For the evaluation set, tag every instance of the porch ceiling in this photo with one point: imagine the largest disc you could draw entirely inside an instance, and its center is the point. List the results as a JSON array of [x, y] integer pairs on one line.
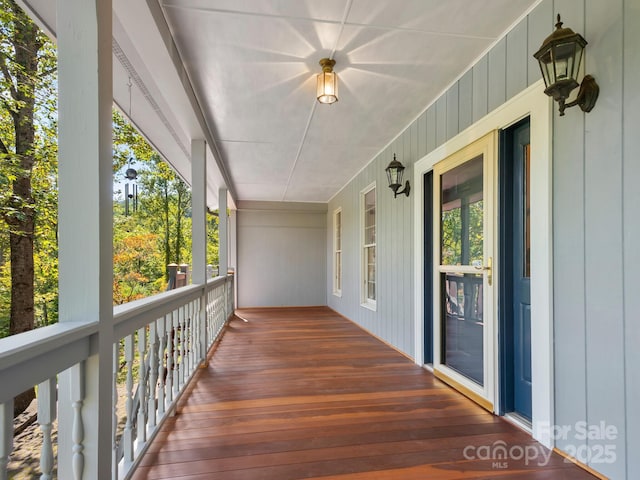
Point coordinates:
[[252, 65]]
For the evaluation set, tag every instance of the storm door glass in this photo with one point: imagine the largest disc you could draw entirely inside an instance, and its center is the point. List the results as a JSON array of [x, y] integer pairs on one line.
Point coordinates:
[[461, 276]]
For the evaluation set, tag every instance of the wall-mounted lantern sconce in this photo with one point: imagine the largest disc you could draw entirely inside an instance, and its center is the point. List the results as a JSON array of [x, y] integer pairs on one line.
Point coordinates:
[[394, 175], [327, 87], [559, 58]]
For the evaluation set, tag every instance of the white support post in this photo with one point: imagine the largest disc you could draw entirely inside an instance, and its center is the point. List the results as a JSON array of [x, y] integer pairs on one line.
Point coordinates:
[[199, 234], [233, 251], [85, 99], [233, 239], [223, 239], [223, 233]]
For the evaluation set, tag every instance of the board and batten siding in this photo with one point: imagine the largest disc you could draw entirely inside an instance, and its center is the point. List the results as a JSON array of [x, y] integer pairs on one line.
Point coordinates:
[[499, 75], [281, 254], [596, 224]]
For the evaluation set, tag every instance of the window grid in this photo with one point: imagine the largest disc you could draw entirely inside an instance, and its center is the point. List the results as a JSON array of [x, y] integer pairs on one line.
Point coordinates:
[[337, 252], [368, 200]]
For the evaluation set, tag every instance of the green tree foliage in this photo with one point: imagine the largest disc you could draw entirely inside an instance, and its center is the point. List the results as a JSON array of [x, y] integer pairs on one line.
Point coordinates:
[[454, 230], [157, 234], [28, 171], [164, 210], [137, 261], [27, 176]]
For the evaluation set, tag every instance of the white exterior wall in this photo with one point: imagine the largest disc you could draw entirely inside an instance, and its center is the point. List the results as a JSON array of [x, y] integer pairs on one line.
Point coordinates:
[[281, 254], [596, 227]]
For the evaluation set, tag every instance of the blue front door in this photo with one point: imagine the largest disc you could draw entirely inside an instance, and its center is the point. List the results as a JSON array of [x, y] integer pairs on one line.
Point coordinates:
[[515, 271], [521, 272]]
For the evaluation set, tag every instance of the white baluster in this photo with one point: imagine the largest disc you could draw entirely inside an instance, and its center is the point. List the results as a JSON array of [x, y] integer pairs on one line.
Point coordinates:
[[170, 349], [77, 431], [128, 427], [153, 374], [176, 354], [182, 348], [142, 388], [195, 334], [46, 416], [114, 419], [6, 436], [163, 378], [222, 311], [209, 316], [195, 328], [188, 334]]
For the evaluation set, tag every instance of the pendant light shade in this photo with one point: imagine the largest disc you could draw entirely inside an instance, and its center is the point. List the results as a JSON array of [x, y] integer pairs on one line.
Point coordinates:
[[327, 88]]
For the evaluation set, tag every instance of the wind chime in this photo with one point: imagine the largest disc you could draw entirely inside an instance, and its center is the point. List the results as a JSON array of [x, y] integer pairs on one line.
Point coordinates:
[[130, 194], [130, 191]]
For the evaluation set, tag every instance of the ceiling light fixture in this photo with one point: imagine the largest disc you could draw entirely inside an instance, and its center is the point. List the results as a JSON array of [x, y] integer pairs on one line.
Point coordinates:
[[559, 58], [327, 91]]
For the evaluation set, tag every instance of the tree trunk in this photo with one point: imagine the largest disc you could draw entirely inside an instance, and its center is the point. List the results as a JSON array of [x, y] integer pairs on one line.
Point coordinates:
[[20, 217]]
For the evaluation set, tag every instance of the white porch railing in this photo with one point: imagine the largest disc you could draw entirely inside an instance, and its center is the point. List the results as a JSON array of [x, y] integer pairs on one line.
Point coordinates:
[[159, 342]]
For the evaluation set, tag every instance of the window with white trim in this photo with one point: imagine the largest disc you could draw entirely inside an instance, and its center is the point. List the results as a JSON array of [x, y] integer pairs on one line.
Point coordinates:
[[368, 210], [337, 252]]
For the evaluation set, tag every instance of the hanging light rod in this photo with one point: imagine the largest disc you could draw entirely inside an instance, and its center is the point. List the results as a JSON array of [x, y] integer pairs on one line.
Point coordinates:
[[327, 87]]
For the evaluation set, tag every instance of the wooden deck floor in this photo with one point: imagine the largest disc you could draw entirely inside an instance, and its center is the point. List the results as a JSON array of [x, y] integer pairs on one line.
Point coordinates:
[[304, 393]]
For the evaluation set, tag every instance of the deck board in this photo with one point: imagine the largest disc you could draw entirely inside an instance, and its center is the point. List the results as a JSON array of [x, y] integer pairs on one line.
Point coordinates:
[[304, 393]]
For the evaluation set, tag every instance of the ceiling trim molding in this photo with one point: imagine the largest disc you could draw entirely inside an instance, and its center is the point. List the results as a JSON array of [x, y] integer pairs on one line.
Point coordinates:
[[172, 49], [342, 22], [137, 80]]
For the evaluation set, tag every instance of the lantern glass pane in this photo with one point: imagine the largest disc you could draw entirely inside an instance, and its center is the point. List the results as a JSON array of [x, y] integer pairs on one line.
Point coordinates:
[[327, 87], [329, 84], [564, 56], [577, 60], [546, 67], [390, 176], [320, 86]]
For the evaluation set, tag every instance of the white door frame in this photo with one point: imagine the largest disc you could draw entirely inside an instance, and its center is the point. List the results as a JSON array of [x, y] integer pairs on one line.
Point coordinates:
[[534, 103]]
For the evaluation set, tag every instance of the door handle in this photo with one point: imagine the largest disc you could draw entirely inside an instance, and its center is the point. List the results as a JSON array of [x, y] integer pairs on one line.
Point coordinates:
[[488, 268]]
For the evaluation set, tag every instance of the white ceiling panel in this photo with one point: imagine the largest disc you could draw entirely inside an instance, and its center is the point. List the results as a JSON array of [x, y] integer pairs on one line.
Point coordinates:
[[253, 162], [253, 65], [458, 18], [326, 10]]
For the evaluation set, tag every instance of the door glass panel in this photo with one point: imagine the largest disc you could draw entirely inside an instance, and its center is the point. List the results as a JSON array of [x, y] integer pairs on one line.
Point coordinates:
[[462, 214], [462, 245], [463, 324]]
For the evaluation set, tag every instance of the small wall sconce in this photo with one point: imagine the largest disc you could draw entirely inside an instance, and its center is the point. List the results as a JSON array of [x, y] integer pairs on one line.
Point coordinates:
[[394, 175], [559, 58], [327, 86]]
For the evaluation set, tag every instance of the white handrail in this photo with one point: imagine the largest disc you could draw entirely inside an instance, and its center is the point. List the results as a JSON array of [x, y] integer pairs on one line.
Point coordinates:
[[32, 357], [166, 335]]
